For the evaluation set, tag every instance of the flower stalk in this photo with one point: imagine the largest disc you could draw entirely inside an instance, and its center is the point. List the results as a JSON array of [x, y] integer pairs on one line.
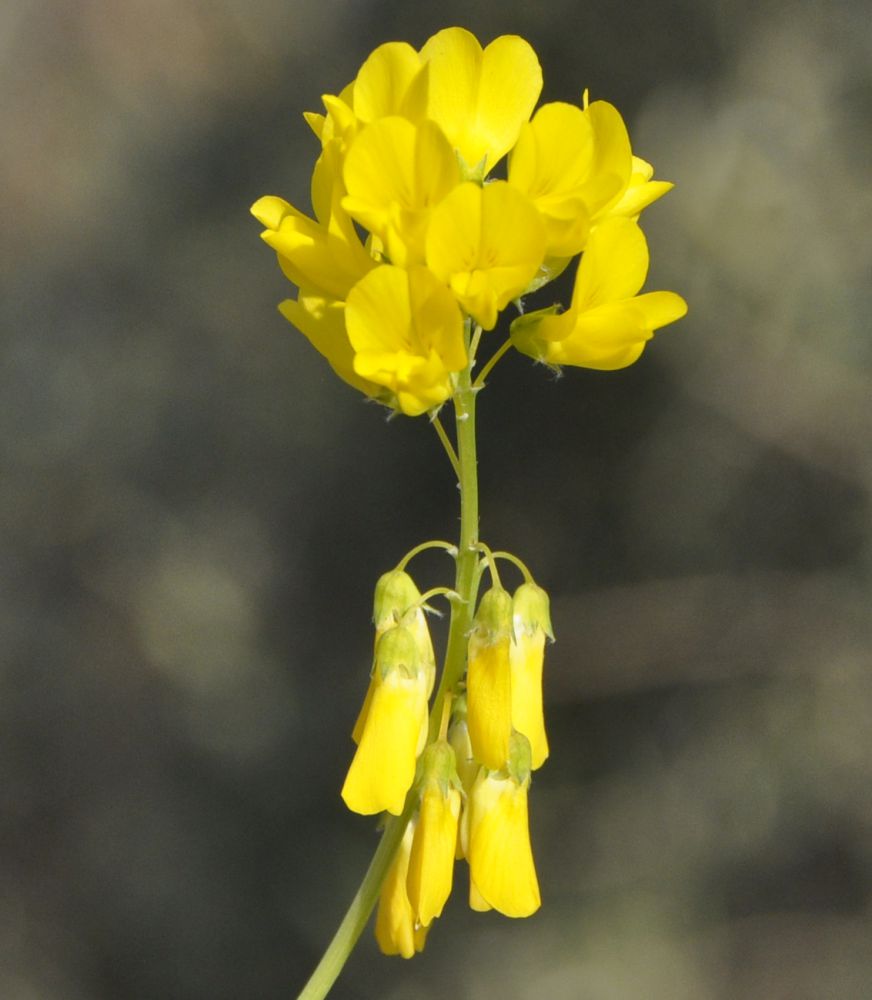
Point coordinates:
[[414, 252]]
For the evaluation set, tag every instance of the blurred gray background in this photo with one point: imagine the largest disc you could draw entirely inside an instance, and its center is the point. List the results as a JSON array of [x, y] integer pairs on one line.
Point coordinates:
[[194, 512]]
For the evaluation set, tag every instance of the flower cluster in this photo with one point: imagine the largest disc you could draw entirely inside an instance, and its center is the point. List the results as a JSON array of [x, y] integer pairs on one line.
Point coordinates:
[[408, 151], [469, 782]]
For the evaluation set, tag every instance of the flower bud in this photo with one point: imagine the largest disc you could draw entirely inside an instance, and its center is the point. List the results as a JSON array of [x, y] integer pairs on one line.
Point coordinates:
[[501, 869]]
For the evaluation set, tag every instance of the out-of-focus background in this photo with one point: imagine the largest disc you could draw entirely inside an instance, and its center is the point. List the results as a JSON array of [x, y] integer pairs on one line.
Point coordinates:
[[194, 512]]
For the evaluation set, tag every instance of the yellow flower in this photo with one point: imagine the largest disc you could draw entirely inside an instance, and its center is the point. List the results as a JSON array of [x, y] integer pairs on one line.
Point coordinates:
[[489, 680], [407, 334], [571, 162], [431, 865], [532, 623], [480, 98], [608, 324], [501, 868], [324, 256], [395, 172], [383, 767], [396, 929], [486, 244], [397, 601]]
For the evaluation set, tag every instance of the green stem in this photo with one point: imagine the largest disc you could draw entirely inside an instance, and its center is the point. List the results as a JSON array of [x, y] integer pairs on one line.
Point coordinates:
[[357, 916], [466, 576], [462, 606]]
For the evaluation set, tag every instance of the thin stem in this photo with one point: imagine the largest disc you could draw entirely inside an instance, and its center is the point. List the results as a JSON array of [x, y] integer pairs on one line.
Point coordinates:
[[357, 916], [490, 558], [489, 364], [437, 543], [446, 444], [466, 577], [522, 566]]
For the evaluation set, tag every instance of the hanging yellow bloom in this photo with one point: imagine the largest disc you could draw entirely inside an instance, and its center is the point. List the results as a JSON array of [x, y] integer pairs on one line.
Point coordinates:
[[397, 601], [396, 929], [383, 767], [532, 623], [431, 864], [608, 324], [489, 680], [501, 868]]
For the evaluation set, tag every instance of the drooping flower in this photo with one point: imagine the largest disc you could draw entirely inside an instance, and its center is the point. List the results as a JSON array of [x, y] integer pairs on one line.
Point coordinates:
[[501, 867], [532, 623], [394, 730], [431, 864], [397, 601], [607, 324], [489, 680], [396, 929]]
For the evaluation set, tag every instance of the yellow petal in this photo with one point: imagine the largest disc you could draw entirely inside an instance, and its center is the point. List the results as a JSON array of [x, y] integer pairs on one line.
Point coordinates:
[[526, 655], [407, 333], [395, 929], [480, 98], [322, 321], [500, 857], [395, 172], [384, 79], [325, 258], [489, 700], [613, 266], [383, 767], [431, 866], [487, 244]]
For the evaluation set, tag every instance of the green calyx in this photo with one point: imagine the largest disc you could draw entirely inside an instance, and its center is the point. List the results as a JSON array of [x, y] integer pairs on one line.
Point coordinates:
[[532, 609]]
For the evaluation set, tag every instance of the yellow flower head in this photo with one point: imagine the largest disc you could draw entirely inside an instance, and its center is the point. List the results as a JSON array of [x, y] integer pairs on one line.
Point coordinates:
[[412, 242], [501, 868], [608, 323], [532, 623], [431, 865], [489, 680], [394, 730]]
